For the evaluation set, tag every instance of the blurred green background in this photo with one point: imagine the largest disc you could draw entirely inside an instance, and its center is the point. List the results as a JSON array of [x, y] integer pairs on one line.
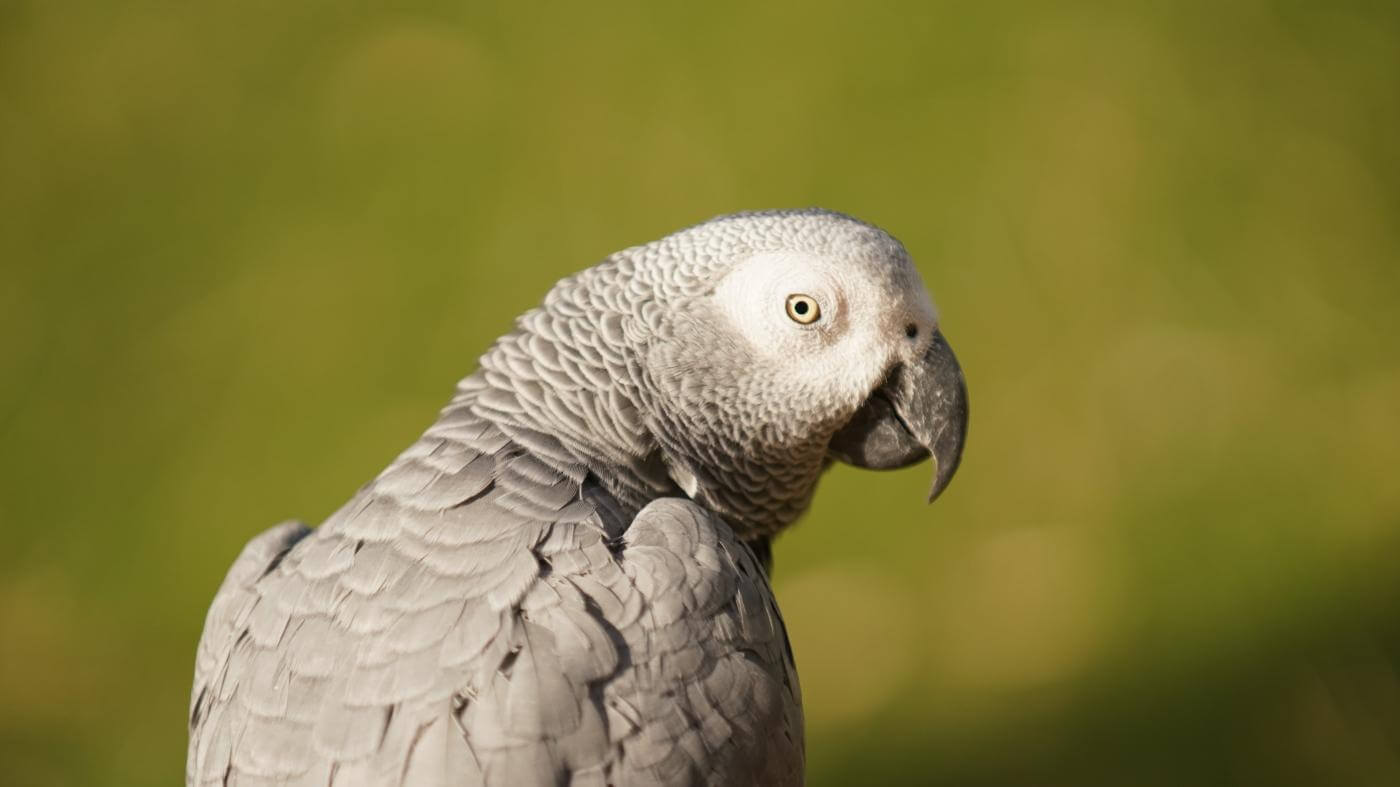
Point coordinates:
[[248, 248]]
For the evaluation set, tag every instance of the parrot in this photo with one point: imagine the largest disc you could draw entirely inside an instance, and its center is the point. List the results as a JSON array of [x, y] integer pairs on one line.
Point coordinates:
[[565, 579]]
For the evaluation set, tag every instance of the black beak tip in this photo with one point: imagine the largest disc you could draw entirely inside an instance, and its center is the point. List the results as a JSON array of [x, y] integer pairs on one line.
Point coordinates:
[[938, 486], [941, 478], [946, 449]]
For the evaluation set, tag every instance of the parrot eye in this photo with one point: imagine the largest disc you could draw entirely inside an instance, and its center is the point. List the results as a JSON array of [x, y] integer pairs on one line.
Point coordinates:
[[803, 309]]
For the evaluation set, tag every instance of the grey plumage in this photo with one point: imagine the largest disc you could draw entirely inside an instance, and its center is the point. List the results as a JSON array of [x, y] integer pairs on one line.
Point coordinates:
[[552, 585]]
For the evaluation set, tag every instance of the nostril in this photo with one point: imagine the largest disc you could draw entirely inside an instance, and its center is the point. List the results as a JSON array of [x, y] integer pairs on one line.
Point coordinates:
[[911, 330]]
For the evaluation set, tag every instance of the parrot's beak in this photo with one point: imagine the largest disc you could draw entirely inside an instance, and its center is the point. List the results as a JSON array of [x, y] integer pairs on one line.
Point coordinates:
[[919, 411]]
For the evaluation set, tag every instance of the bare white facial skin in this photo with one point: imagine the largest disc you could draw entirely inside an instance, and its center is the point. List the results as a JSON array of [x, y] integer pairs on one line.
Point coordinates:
[[864, 318]]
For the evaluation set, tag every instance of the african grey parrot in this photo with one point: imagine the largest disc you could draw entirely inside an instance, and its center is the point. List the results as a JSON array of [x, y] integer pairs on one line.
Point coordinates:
[[563, 581]]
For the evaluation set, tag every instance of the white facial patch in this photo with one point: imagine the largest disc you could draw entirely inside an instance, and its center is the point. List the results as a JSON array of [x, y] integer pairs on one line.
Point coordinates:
[[754, 296], [861, 329]]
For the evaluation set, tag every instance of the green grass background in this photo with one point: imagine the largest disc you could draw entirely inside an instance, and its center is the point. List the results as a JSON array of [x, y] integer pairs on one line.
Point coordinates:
[[246, 250]]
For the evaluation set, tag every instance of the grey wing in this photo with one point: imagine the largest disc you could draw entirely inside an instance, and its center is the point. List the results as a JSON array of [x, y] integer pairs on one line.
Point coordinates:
[[710, 693], [356, 656], [227, 617], [655, 658]]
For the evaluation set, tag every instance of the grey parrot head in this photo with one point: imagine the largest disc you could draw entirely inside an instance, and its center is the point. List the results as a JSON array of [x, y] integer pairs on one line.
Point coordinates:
[[770, 344]]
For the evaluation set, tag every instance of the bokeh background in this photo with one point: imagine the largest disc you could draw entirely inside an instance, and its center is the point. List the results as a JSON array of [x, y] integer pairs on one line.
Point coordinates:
[[246, 250]]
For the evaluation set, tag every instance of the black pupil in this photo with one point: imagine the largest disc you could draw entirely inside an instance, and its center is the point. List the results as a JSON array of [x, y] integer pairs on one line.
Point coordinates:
[[911, 330], [800, 307]]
